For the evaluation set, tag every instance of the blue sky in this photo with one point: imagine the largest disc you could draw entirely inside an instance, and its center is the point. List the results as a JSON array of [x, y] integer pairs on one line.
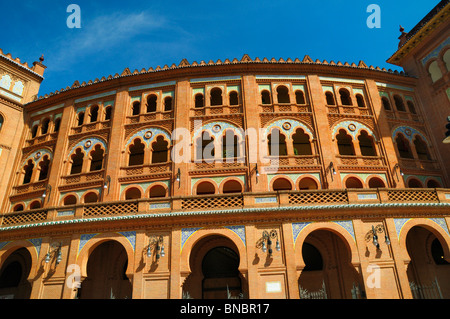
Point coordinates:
[[142, 33]]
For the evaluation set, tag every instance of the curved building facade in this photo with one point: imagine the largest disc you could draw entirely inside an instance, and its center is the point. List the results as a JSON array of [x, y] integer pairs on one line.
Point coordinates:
[[251, 178]]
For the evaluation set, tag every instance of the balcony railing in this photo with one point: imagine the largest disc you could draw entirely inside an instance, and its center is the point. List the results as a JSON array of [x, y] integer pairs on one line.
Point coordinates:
[[145, 170], [347, 160], [214, 110], [89, 127], [84, 177], [240, 201]]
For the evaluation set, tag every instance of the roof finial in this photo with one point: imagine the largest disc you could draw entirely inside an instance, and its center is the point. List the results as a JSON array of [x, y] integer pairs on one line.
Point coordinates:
[[402, 29], [41, 58]]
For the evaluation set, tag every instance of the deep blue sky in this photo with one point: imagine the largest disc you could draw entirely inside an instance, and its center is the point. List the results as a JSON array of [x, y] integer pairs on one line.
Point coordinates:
[[146, 33]]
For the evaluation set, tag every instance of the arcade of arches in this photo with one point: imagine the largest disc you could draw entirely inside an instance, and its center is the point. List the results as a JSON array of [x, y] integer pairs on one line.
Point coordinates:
[[314, 260]]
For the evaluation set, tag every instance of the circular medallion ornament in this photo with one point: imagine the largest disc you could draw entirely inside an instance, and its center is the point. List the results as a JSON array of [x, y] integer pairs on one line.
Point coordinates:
[[352, 127], [87, 144], [38, 155], [216, 128], [148, 134], [408, 132], [287, 126]]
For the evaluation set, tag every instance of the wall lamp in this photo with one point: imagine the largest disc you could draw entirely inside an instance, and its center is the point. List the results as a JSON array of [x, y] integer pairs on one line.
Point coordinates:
[[54, 249], [107, 183], [178, 176], [332, 170], [256, 172], [156, 244], [265, 243], [47, 192], [372, 235], [397, 167]]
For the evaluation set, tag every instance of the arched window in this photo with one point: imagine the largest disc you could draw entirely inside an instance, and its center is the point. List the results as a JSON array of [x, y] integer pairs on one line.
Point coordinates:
[[277, 143], [97, 158], [232, 187], [330, 98], [157, 191], [230, 145], [205, 188], [265, 97], [411, 107], [94, 114], [70, 200], [136, 153], [108, 113], [77, 162], [312, 258], [216, 97], [345, 97], [28, 172], [199, 100], [160, 150], [35, 205], [300, 97], [399, 103], [91, 198], [136, 108], [1, 122], [44, 168], [437, 252], [132, 193], [360, 100], [386, 104], [414, 183], [433, 184], [421, 148], [152, 101], [80, 120], [446, 59], [353, 182], [168, 104], [403, 147], [281, 184], [307, 183], [18, 208], [434, 71], [44, 127], [234, 98], [366, 144], [375, 182], [302, 145], [283, 94], [345, 143], [205, 147], [34, 130], [57, 125]]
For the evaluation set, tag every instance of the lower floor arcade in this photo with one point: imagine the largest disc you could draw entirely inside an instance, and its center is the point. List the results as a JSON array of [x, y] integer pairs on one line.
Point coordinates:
[[395, 258]]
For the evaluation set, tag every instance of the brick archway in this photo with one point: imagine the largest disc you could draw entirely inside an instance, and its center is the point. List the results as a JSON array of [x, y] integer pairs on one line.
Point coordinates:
[[196, 248]]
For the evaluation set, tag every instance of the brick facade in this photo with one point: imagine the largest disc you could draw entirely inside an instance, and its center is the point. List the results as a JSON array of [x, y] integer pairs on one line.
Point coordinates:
[[89, 193]]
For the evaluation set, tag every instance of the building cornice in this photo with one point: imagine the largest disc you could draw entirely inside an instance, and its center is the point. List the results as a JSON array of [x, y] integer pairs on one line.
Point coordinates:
[[244, 66], [427, 26], [335, 209]]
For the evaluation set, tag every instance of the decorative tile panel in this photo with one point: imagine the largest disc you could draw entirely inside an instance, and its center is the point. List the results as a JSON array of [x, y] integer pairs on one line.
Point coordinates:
[[288, 127], [238, 230], [130, 236], [353, 128], [148, 135]]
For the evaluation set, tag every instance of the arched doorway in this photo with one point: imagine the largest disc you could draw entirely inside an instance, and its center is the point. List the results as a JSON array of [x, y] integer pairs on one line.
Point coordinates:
[[106, 278], [429, 271], [214, 262], [14, 274], [328, 272]]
